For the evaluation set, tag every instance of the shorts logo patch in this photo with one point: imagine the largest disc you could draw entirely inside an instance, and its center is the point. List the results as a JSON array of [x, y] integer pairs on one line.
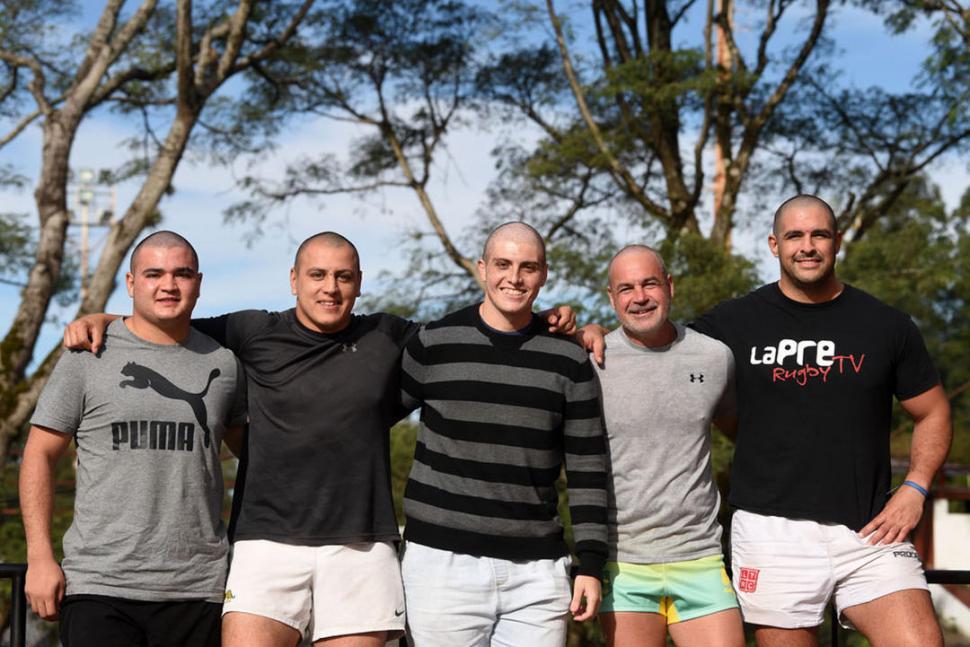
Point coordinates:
[[748, 580], [905, 553]]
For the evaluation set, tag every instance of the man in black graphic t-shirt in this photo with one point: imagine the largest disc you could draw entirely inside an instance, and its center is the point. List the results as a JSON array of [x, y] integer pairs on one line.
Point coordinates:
[[818, 363]]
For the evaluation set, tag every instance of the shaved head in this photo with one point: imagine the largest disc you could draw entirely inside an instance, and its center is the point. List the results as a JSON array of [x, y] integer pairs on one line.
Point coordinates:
[[518, 232], [164, 239], [330, 238], [635, 249], [804, 201]]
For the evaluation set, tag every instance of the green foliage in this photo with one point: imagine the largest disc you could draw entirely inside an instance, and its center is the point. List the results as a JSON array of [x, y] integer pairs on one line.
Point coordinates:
[[403, 438], [704, 274], [917, 258]]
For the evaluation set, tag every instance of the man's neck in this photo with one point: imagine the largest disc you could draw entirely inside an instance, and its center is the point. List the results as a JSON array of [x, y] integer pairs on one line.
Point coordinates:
[[813, 293], [503, 322], [663, 336], [176, 333]]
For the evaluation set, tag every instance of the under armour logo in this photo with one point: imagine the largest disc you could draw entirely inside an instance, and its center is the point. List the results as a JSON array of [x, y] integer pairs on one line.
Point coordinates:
[[350, 347], [697, 378]]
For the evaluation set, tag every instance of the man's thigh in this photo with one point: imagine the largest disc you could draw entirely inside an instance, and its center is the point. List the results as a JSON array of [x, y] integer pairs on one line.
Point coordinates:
[[719, 629], [634, 629], [782, 573], [109, 622], [902, 618], [866, 573], [452, 599]]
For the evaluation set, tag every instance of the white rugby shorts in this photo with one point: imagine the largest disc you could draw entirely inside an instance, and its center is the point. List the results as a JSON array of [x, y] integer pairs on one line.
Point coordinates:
[[786, 570], [321, 591]]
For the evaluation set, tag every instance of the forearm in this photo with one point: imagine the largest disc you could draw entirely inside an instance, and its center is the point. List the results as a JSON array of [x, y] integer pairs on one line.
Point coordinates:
[[930, 445], [37, 504]]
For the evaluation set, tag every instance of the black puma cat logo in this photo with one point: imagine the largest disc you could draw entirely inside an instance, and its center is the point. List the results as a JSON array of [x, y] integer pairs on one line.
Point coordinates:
[[143, 377]]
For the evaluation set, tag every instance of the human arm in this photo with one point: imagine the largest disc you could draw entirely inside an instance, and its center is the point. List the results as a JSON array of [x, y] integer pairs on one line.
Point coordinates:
[[587, 595], [592, 337], [932, 433], [87, 333], [586, 470], [45, 579], [561, 320]]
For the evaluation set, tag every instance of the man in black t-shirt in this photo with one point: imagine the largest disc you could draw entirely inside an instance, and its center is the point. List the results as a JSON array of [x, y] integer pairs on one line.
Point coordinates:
[[818, 363]]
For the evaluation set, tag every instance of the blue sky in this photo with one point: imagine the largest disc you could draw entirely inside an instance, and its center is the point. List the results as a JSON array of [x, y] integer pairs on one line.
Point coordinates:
[[238, 277]]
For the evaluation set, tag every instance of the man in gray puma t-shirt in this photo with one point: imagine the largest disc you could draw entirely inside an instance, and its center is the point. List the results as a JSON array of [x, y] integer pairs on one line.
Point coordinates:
[[662, 386], [146, 555]]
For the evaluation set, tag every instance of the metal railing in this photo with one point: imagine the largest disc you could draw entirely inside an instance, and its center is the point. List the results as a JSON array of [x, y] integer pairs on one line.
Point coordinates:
[[17, 573]]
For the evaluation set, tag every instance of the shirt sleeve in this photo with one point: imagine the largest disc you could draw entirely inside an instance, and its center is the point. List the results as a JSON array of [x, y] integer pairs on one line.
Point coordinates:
[[727, 407], [914, 370], [61, 403], [233, 330], [412, 373], [238, 416], [711, 324], [215, 327], [584, 445]]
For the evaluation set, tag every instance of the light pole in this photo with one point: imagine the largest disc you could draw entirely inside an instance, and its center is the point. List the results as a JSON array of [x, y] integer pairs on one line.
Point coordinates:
[[86, 194]]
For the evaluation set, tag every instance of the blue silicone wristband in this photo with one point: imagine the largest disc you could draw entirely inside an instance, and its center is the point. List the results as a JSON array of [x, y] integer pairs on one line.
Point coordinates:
[[916, 486]]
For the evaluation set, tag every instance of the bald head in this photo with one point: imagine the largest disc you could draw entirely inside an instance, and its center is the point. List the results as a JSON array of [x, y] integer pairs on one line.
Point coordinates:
[[331, 239], [631, 251], [517, 232], [162, 239], [804, 201]]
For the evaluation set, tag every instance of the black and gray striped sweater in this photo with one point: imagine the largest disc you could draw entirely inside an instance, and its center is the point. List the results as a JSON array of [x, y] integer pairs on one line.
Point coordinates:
[[500, 416]]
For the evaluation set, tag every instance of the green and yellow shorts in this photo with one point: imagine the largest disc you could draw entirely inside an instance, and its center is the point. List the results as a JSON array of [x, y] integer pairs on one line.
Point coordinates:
[[676, 590]]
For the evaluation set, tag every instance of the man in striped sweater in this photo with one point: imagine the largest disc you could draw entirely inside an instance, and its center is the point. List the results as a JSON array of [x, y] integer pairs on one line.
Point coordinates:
[[504, 405]]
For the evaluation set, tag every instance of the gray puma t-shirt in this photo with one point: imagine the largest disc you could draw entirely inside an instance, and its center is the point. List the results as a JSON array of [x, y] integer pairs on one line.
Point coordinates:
[[148, 420]]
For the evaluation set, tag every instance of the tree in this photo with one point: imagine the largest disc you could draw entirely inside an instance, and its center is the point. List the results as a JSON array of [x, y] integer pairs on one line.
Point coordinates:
[[401, 71], [648, 111], [162, 62]]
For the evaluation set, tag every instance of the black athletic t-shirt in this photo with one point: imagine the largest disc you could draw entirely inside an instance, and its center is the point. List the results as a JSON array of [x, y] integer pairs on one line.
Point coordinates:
[[316, 466], [815, 384]]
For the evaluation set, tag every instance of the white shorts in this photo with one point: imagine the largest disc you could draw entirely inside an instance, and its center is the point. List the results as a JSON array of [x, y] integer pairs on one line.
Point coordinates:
[[457, 599], [321, 591], [786, 570]]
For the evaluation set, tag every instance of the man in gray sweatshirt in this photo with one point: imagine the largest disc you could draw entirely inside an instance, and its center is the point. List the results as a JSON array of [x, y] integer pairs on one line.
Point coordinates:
[[663, 385]]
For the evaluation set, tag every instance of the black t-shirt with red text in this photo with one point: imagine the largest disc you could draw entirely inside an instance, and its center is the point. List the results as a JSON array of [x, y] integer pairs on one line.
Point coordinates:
[[815, 384]]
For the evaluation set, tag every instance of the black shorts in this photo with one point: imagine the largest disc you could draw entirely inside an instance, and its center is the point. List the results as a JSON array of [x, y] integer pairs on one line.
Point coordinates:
[[102, 621]]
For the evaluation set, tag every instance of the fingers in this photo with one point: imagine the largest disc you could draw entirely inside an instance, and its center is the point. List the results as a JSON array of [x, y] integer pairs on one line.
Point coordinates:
[[44, 588], [586, 598], [46, 604], [97, 338], [897, 519], [599, 348]]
